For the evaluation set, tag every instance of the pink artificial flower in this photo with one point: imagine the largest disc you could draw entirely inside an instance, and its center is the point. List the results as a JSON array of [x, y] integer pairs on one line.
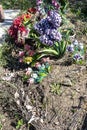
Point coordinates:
[[21, 53], [56, 4], [31, 81], [31, 53], [27, 47], [37, 65], [45, 59], [20, 60], [28, 71], [38, 2]]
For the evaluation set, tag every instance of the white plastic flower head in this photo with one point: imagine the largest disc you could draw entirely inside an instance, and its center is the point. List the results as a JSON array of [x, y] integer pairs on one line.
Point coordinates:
[[31, 81], [81, 46], [34, 75], [75, 43], [43, 66], [28, 71]]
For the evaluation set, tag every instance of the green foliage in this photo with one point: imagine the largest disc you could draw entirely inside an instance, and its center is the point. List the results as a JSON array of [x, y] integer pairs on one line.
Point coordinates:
[[19, 124], [56, 88], [5, 50], [0, 126], [64, 5], [79, 9], [18, 4], [7, 55], [58, 50]]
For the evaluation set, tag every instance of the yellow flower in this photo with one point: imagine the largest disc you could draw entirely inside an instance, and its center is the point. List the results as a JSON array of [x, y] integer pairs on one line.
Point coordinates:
[[28, 59]]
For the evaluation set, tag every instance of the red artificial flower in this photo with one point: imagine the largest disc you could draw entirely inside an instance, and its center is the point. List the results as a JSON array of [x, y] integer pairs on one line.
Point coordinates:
[[17, 21], [31, 53], [25, 16], [27, 47], [32, 10], [22, 29]]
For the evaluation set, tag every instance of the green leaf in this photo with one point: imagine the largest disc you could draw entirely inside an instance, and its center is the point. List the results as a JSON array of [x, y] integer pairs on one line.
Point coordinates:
[[42, 74]]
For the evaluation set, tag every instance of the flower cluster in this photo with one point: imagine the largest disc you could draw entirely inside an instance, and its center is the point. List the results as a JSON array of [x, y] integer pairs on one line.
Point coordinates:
[[42, 8], [76, 50], [47, 28], [41, 69], [56, 4], [55, 18], [26, 55], [18, 30]]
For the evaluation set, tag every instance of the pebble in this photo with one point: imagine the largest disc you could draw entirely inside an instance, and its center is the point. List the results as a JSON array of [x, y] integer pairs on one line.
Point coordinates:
[[66, 82]]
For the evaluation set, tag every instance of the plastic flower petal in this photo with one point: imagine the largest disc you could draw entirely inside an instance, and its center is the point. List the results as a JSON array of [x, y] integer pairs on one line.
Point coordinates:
[[31, 80], [34, 75], [28, 60], [21, 53], [38, 65]]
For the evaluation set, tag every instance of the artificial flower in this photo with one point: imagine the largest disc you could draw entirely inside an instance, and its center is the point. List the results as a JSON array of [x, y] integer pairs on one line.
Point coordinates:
[[32, 10], [28, 60], [21, 53], [28, 71], [34, 75], [30, 80], [38, 65]]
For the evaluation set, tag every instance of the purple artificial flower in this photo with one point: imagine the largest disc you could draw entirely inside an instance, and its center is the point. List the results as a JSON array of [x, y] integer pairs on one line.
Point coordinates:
[[45, 39], [55, 18], [70, 48], [39, 2], [55, 4], [42, 26], [77, 57], [54, 34]]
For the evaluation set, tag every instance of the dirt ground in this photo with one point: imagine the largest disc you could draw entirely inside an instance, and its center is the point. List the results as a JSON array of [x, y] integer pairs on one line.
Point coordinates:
[[60, 101]]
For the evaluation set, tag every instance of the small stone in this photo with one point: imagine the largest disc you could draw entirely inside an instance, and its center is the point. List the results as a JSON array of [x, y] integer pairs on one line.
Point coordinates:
[[29, 107], [66, 82], [16, 95], [18, 102]]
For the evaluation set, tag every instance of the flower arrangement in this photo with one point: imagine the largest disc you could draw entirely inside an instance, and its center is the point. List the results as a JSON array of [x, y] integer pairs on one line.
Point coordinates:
[[38, 72], [19, 29], [76, 51], [42, 27]]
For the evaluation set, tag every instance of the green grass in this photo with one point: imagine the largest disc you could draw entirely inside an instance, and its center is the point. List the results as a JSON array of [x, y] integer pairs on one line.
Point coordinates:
[[17, 4]]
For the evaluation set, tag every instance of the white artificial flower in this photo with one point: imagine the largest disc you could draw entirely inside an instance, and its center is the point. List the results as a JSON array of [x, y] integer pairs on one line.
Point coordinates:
[[34, 75], [81, 46], [75, 43], [31, 81]]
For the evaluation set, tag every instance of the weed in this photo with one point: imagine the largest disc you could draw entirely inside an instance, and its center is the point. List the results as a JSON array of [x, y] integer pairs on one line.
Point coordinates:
[[56, 88]]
